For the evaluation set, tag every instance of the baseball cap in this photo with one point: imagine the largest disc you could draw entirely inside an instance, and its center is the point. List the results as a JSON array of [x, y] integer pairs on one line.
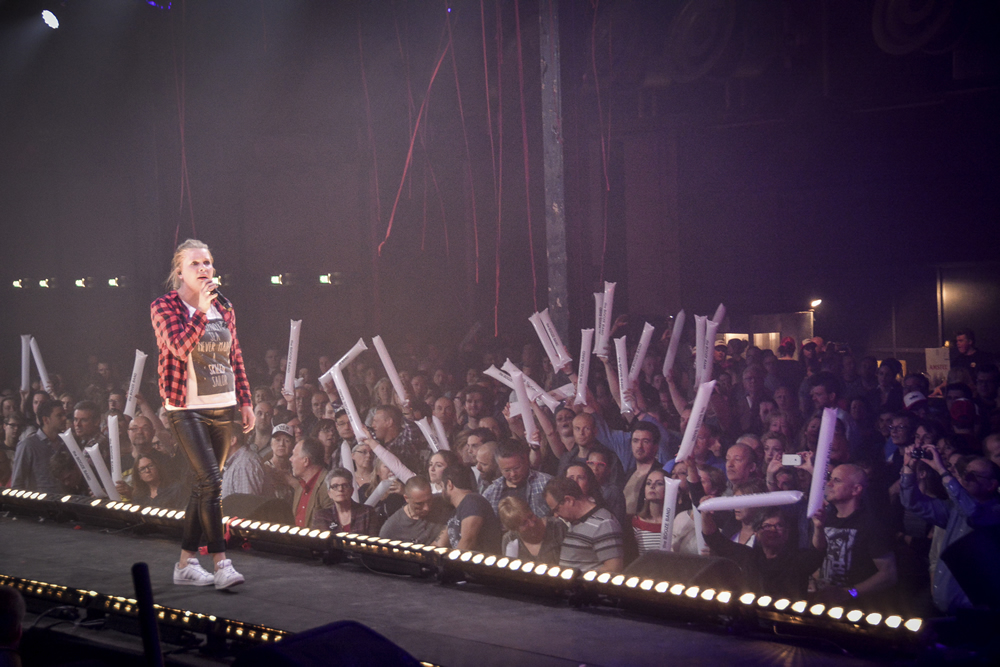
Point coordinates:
[[283, 428]]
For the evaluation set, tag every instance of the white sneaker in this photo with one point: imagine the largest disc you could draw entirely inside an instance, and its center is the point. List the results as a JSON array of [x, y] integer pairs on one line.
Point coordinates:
[[192, 575], [226, 575]]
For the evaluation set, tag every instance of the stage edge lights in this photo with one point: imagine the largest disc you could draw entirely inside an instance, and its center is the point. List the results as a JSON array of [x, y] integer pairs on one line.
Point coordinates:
[[613, 588]]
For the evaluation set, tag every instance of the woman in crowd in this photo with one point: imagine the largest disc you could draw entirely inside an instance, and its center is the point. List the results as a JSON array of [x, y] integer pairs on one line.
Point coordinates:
[[437, 464], [647, 522], [153, 486], [202, 381], [529, 537], [584, 477], [325, 430], [345, 514], [364, 470], [747, 518]]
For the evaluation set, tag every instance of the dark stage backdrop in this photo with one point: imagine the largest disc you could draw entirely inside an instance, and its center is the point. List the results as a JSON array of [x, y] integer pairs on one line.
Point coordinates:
[[761, 154]]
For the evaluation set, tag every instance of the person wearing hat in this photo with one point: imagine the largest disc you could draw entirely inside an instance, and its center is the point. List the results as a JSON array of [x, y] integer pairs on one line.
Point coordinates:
[[916, 402], [279, 466]]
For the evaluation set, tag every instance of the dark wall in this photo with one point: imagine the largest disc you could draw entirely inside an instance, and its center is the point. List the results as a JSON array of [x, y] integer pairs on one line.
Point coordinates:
[[791, 158]]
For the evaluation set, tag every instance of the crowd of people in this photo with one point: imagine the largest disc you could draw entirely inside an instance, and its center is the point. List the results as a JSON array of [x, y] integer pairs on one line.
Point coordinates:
[[913, 468]]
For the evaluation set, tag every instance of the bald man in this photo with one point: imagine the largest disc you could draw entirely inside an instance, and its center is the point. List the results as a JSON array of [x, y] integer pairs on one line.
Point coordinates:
[[859, 559]]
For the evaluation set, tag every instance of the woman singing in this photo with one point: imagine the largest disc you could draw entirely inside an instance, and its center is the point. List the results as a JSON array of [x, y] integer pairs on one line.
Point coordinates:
[[202, 380]]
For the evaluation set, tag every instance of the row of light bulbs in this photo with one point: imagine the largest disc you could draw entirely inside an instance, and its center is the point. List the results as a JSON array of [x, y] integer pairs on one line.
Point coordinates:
[[333, 278]]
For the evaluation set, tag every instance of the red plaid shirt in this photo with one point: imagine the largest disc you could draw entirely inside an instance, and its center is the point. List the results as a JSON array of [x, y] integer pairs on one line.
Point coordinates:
[[176, 335]]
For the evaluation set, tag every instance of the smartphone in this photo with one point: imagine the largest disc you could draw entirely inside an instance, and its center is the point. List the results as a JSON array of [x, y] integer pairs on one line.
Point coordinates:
[[791, 460]]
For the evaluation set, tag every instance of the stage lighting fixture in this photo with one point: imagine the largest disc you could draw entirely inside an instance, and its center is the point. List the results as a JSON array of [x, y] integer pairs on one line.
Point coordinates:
[[19, 284], [276, 280], [84, 282], [114, 282], [815, 303], [50, 19], [46, 283]]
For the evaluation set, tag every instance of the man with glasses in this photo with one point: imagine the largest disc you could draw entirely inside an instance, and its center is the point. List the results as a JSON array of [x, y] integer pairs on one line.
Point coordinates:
[[973, 495], [774, 565], [594, 538]]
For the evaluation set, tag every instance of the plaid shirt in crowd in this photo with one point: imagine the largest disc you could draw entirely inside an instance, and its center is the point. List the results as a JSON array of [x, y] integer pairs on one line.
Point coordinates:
[[176, 335], [536, 492]]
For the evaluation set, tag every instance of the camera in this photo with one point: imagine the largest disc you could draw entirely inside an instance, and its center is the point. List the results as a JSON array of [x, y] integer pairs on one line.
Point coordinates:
[[791, 460], [921, 453]]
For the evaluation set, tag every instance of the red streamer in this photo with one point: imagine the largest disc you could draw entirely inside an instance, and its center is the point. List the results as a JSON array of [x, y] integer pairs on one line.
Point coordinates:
[[409, 153]]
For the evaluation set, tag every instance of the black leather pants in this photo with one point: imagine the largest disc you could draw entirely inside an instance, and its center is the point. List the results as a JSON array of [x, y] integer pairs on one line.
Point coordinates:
[[204, 435]]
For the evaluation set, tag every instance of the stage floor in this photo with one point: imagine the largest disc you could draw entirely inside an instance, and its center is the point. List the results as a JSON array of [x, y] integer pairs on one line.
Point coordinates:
[[449, 625]]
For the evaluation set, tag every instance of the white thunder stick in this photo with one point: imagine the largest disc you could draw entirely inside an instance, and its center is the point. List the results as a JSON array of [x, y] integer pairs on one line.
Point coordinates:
[[390, 369], [607, 310], [826, 431], [709, 358], [293, 355], [598, 314], [25, 362], [694, 422], [545, 340], [675, 340], [102, 472], [563, 392], [640, 353], [699, 535], [380, 492], [114, 441], [392, 462], [358, 426], [44, 374], [557, 344], [623, 385], [583, 374], [526, 414], [429, 435], [503, 377], [134, 383], [535, 392], [348, 357], [772, 499], [669, 512], [81, 463], [720, 314], [442, 436], [347, 463], [351, 354], [699, 350]]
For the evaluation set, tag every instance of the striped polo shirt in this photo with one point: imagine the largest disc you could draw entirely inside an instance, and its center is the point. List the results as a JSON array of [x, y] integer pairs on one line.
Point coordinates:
[[592, 539]]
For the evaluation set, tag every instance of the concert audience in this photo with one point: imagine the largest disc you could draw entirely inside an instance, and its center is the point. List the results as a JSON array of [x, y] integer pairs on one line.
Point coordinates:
[[885, 509]]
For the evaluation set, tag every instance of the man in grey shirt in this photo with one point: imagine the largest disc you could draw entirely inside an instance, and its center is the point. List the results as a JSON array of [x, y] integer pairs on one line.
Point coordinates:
[[421, 520], [31, 460]]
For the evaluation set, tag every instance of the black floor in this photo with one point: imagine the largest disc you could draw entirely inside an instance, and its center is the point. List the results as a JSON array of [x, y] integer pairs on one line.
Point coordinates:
[[447, 625]]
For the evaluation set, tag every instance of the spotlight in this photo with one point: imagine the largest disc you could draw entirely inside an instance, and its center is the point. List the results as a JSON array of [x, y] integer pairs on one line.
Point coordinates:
[[334, 278], [276, 280], [115, 282], [815, 303], [47, 282], [50, 19], [85, 282], [18, 284]]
